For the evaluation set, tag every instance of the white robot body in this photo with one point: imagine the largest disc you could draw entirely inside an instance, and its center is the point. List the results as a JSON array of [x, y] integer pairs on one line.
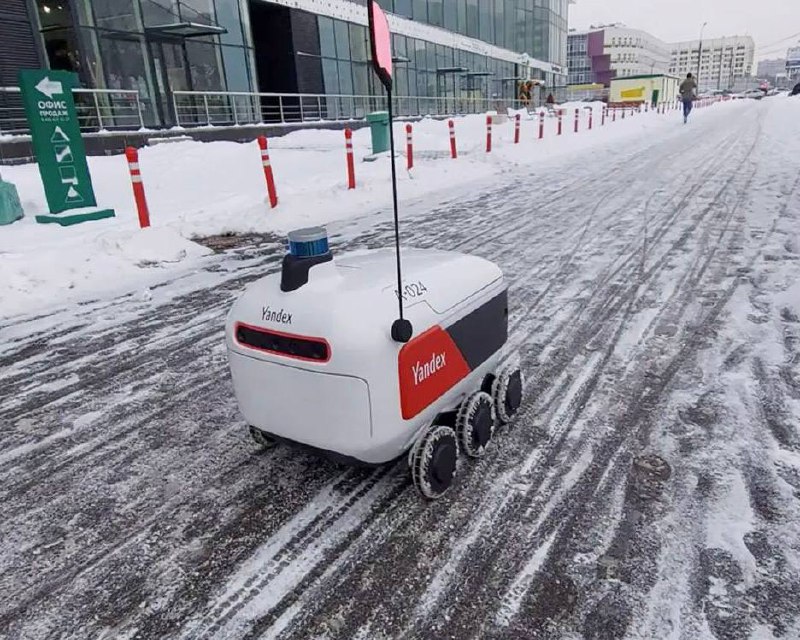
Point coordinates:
[[317, 365]]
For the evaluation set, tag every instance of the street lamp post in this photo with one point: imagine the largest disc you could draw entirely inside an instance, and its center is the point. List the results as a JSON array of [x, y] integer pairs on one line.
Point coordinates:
[[700, 55]]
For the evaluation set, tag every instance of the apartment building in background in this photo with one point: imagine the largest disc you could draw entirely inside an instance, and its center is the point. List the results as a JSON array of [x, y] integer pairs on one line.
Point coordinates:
[[718, 63]]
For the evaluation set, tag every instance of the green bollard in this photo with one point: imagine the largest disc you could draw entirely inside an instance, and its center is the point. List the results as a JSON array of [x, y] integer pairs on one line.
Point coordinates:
[[10, 206], [379, 127]]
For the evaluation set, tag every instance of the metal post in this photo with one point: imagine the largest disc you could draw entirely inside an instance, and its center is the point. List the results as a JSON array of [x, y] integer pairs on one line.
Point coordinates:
[[205, 104], [280, 109], [319, 107], [235, 114], [97, 111], [175, 110], [139, 111], [302, 115]]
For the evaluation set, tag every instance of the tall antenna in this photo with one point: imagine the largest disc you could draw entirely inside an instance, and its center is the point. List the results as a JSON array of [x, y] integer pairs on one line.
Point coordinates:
[[382, 63]]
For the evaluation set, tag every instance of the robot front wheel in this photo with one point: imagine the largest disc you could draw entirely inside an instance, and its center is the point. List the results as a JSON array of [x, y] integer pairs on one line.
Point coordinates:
[[261, 438], [434, 457]]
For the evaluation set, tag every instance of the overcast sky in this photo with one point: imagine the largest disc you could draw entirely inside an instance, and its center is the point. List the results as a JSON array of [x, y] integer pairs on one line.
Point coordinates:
[[768, 21]]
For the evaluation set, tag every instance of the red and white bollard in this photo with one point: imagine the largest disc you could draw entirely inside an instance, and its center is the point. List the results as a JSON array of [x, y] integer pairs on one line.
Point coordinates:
[[409, 148], [560, 120], [614, 114], [623, 112], [541, 125], [132, 156], [517, 124], [452, 126], [603, 115], [265, 163], [488, 134], [351, 169], [591, 117], [577, 119]]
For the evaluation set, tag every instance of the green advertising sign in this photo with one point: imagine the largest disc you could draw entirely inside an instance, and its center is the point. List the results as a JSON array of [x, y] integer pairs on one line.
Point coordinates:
[[57, 143]]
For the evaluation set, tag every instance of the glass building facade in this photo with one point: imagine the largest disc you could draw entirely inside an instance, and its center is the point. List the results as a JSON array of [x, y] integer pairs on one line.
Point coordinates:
[[443, 48], [535, 27], [151, 46]]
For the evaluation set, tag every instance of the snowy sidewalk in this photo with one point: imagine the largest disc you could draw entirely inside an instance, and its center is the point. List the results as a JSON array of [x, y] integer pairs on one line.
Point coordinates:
[[197, 189]]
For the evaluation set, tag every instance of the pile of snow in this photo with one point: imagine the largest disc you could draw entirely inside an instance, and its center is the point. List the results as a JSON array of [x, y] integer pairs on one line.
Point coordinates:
[[198, 189]]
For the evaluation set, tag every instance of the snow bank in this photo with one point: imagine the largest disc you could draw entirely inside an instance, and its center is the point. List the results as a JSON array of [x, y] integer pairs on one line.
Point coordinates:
[[197, 189]]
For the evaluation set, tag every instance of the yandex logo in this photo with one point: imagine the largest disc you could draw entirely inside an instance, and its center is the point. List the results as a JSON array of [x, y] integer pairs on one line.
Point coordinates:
[[429, 366], [423, 371]]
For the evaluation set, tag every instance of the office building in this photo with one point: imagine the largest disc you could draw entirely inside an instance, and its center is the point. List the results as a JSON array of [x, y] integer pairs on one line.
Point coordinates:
[[614, 51], [444, 48], [717, 63]]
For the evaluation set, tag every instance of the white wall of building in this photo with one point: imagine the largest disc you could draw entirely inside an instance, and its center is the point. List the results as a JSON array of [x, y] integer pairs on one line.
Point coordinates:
[[724, 61], [634, 52]]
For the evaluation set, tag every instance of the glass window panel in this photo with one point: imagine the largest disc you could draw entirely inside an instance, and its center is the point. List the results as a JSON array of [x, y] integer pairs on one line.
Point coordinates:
[[400, 46], [403, 8], [420, 10], [361, 79], [228, 16], [358, 43], [345, 78], [157, 12], [401, 78], [53, 15], [195, 10], [436, 12], [499, 23], [462, 15], [123, 60], [115, 14], [422, 58], [342, 39], [204, 66], [237, 77], [327, 39], [486, 18], [330, 75], [451, 15], [472, 18]]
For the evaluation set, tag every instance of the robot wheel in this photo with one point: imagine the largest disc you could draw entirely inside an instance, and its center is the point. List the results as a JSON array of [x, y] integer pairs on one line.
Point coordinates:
[[261, 438], [475, 423], [507, 393], [434, 459]]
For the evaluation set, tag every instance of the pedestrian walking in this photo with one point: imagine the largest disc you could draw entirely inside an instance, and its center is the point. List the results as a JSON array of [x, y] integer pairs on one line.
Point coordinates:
[[688, 91]]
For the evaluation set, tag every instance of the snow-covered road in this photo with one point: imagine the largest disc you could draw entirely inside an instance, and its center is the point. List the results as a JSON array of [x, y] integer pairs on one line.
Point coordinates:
[[649, 488]]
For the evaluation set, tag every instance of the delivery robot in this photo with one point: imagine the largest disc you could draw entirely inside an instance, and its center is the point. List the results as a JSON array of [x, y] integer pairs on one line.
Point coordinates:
[[317, 357]]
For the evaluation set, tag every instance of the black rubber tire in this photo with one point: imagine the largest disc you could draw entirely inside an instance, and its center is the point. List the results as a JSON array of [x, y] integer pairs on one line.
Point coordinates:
[[507, 393], [261, 438], [475, 423], [434, 461]]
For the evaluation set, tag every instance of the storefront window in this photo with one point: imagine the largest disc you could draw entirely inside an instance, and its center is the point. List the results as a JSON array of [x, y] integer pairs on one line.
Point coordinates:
[[204, 66]]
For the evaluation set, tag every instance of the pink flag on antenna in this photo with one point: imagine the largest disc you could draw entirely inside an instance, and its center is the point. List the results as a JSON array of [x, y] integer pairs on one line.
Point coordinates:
[[381, 44]]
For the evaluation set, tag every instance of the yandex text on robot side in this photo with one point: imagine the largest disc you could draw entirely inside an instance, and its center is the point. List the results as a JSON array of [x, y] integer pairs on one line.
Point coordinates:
[[424, 371], [281, 316]]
